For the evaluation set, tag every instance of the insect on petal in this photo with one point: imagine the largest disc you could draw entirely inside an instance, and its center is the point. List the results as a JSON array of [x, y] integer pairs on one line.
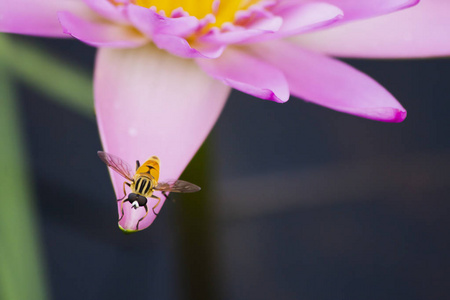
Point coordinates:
[[170, 107]]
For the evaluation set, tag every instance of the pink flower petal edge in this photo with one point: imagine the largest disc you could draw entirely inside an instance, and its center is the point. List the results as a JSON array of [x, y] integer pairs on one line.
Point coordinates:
[[38, 18], [241, 34], [248, 74], [146, 106], [180, 47], [358, 9], [100, 33], [152, 23], [331, 83], [302, 17], [108, 10], [420, 31]]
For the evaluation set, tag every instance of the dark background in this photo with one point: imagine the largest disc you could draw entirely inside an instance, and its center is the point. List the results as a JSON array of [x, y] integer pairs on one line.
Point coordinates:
[[298, 201]]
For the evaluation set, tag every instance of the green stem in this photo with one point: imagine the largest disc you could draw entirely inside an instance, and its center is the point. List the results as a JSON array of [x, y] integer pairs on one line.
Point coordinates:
[[61, 81], [21, 272], [197, 231]]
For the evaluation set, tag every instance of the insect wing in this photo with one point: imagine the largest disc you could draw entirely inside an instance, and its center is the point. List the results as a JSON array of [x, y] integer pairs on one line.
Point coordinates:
[[117, 164], [178, 186]]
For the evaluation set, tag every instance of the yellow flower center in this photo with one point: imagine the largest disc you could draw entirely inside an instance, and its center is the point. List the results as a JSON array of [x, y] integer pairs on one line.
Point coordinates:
[[224, 12]]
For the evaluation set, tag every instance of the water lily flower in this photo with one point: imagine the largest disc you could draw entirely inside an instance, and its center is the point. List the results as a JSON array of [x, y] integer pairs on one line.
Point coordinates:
[[164, 69]]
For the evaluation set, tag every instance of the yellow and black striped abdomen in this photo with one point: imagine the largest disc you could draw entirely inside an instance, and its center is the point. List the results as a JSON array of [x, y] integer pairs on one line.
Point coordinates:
[[143, 185], [146, 177]]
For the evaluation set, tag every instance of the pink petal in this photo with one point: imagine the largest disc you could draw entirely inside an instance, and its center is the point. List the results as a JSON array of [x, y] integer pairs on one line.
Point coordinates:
[[33, 17], [420, 31], [108, 10], [301, 17], [362, 9], [271, 24], [149, 102], [169, 33], [151, 23], [239, 34], [180, 47], [331, 83], [289, 18], [99, 33], [248, 74]]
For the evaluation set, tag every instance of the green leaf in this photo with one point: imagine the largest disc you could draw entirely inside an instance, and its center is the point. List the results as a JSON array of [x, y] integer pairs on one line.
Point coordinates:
[[21, 265]]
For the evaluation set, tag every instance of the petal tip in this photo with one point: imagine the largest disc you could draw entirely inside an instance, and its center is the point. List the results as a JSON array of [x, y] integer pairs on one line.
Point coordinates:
[[407, 4], [399, 116], [126, 231], [263, 93], [413, 3], [280, 99], [384, 114]]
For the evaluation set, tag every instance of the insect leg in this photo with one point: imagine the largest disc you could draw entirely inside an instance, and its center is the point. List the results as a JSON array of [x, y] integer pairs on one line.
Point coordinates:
[[165, 195], [156, 205], [124, 191], [121, 209], [146, 213]]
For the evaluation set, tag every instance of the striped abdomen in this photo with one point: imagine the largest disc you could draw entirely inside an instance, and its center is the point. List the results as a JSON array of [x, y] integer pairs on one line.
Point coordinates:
[[143, 185]]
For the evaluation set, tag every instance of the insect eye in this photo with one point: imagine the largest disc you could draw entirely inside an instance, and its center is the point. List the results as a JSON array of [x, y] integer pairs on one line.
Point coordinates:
[[142, 200], [132, 197]]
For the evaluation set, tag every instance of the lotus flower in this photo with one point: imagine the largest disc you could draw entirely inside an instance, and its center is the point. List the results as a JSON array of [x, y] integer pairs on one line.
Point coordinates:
[[164, 69]]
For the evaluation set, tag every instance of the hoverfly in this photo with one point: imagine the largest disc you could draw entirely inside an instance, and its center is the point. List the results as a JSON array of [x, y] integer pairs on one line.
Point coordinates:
[[144, 182]]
